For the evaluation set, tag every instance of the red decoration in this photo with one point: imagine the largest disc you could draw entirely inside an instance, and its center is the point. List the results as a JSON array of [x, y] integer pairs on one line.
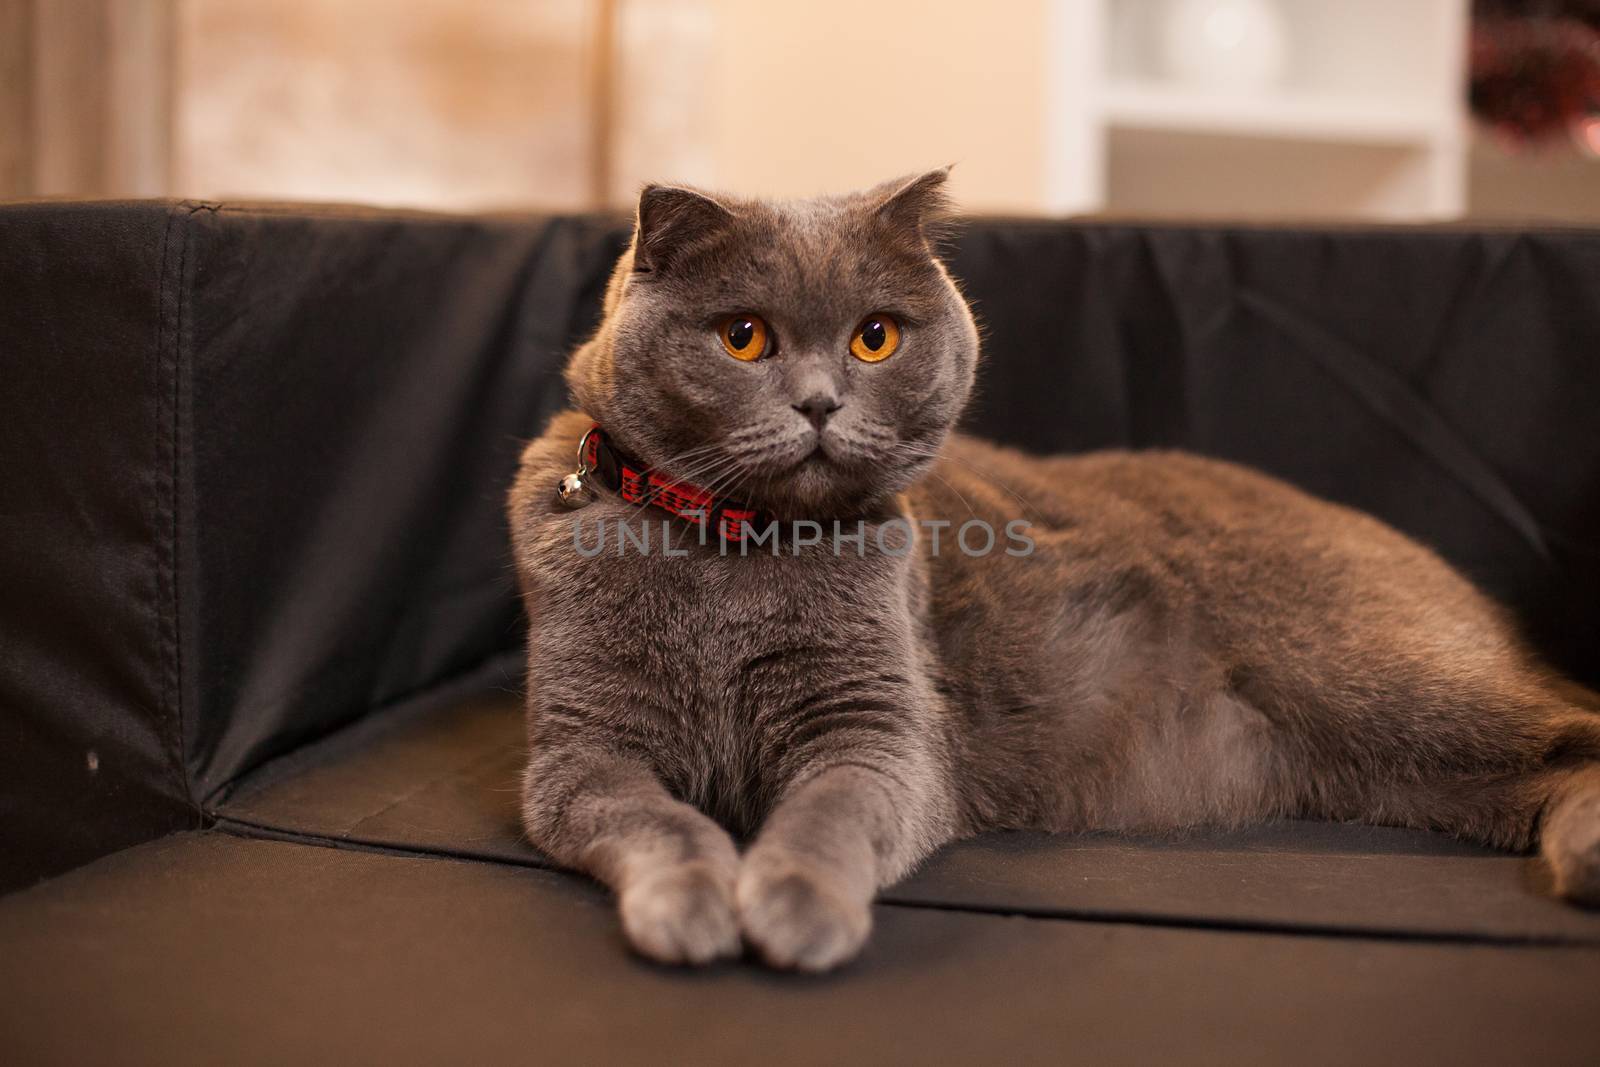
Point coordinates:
[[1536, 79]]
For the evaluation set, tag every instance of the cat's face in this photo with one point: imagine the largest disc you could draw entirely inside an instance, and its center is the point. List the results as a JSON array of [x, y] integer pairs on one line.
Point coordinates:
[[806, 357]]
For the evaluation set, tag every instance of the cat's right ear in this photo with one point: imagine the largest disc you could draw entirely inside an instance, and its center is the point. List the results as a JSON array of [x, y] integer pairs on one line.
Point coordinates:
[[672, 221]]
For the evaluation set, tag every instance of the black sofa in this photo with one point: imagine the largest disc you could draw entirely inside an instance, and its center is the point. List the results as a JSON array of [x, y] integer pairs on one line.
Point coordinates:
[[259, 652]]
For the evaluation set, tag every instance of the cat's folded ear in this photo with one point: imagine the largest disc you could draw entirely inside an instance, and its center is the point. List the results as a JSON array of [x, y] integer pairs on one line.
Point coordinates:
[[915, 203], [672, 221]]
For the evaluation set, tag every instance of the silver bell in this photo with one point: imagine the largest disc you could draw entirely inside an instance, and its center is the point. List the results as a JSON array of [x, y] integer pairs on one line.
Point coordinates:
[[574, 493]]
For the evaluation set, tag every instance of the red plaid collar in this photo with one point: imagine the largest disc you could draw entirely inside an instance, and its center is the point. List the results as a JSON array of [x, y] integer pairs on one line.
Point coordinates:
[[638, 484]]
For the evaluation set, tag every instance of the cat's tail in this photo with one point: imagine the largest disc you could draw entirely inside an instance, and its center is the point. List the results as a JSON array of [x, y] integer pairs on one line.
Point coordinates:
[[1569, 824], [1569, 836]]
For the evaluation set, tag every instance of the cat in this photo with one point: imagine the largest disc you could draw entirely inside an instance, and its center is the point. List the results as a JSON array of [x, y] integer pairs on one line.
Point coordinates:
[[1185, 642]]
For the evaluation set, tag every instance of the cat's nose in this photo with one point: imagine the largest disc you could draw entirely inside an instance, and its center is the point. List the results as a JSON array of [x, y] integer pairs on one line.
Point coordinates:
[[817, 408]]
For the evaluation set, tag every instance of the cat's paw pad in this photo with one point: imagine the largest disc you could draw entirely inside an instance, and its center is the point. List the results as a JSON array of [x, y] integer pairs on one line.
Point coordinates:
[[683, 914], [1572, 846], [797, 921]]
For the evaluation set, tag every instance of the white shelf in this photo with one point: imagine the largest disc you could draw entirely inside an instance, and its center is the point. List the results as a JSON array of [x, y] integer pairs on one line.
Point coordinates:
[[1369, 120], [1302, 116]]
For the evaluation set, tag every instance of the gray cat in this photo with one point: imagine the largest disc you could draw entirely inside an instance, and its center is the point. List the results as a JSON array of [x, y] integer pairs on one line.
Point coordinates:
[[1169, 641]]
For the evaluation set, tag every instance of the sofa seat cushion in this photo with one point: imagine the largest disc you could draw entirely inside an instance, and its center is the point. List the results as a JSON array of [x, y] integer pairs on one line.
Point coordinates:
[[441, 776], [210, 948]]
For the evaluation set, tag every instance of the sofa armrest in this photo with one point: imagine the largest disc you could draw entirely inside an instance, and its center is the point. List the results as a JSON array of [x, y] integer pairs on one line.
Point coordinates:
[[90, 739], [252, 461]]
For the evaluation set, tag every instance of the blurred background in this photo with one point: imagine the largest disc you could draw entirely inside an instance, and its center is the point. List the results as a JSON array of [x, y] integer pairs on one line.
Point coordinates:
[[1265, 109]]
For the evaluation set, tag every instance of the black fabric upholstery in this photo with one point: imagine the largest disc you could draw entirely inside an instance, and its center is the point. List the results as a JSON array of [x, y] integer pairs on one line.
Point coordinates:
[[361, 385], [441, 777], [253, 462], [91, 747], [203, 948]]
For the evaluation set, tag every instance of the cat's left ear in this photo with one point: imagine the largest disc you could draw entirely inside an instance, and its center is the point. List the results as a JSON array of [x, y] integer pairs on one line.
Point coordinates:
[[914, 204]]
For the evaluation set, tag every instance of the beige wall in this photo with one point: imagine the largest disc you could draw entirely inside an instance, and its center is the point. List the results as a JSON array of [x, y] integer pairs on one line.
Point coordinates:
[[436, 103], [829, 95], [467, 104], [423, 102]]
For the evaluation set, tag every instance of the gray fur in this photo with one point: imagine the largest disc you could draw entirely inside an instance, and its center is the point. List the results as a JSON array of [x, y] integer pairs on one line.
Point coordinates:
[[1191, 642]]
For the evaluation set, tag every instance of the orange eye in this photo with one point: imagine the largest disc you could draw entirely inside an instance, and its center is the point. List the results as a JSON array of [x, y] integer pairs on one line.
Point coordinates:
[[744, 336], [875, 339]]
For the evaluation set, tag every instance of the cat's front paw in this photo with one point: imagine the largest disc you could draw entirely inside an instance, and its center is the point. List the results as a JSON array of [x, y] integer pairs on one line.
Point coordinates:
[[796, 919], [681, 914]]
